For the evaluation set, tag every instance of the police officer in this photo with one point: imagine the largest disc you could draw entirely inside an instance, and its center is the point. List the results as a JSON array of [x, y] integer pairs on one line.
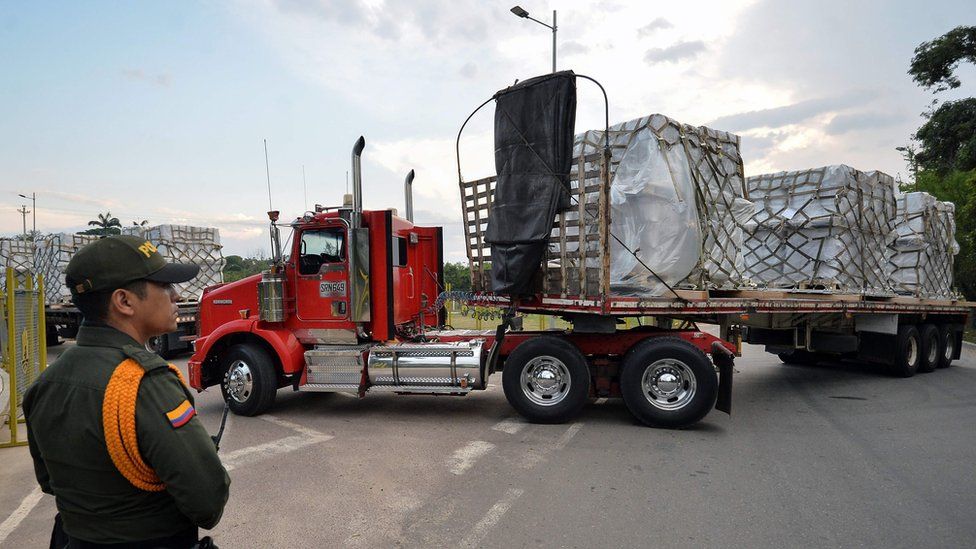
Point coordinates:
[[121, 481]]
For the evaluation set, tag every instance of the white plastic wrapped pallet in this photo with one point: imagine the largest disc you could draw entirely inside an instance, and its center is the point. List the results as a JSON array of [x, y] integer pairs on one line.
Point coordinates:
[[18, 254], [51, 257], [677, 199], [925, 246], [825, 228], [188, 244]]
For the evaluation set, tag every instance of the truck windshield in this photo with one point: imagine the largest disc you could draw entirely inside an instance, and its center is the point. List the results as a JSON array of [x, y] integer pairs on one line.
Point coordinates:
[[319, 247]]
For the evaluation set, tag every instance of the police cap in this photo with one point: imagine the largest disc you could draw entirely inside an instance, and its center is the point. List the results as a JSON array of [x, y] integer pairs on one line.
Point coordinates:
[[114, 261]]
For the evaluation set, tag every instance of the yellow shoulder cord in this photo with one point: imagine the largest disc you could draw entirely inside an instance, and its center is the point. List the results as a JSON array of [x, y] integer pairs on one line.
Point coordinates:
[[119, 423]]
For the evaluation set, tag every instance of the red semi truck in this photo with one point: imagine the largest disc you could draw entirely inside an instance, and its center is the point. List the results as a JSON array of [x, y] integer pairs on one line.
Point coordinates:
[[355, 306]]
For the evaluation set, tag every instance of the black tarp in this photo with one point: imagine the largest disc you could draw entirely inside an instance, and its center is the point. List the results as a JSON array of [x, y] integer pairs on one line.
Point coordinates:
[[534, 126]]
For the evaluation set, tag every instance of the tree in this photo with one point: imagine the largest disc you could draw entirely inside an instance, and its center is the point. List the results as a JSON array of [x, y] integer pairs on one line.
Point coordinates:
[[104, 225], [944, 163], [935, 62], [142, 223], [237, 267], [458, 276]]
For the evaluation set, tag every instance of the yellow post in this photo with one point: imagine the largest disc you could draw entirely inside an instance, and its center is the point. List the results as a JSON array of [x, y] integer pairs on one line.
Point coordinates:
[[542, 322], [449, 305], [12, 358], [41, 323]]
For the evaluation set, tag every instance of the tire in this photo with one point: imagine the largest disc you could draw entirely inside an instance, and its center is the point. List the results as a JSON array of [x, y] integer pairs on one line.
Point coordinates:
[[250, 380], [931, 348], [948, 339], [908, 352], [160, 346], [668, 382], [52, 337], [547, 380]]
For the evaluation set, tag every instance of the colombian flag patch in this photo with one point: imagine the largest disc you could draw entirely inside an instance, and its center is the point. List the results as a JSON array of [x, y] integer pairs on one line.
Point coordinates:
[[181, 414]]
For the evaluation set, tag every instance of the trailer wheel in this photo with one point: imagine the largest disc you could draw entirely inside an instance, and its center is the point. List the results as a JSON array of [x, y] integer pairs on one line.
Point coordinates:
[[948, 339], [668, 382], [546, 379], [160, 345], [931, 347], [51, 335], [249, 384], [908, 351]]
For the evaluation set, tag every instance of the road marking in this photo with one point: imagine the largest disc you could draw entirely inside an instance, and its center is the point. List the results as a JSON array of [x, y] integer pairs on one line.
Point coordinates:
[[569, 434], [480, 530], [251, 454], [26, 506], [509, 425], [600, 401], [464, 458]]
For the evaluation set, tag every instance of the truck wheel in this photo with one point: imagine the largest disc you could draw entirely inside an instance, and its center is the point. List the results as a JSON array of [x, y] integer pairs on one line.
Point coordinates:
[[546, 379], [250, 382], [160, 346], [668, 382], [948, 338], [908, 351], [931, 348], [51, 335]]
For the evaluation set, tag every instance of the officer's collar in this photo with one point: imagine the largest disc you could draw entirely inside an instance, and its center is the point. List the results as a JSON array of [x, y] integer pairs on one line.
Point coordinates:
[[92, 334]]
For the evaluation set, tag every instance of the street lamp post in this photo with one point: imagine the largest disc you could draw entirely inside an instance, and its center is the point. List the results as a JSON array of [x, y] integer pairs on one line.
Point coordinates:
[[33, 198], [517, 10]]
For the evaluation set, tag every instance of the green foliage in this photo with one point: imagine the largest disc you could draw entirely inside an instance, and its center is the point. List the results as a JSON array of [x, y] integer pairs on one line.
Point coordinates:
[[948, 138], [104, 225], [238, 267], [458, 276], [958, 187], [935, 62]]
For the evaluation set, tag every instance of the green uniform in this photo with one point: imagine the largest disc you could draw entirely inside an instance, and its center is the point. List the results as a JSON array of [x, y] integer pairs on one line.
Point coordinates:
[[71, 461]]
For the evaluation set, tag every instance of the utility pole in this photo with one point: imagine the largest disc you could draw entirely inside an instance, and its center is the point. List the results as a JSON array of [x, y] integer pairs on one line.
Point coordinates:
[[33, 198], [23, 214]]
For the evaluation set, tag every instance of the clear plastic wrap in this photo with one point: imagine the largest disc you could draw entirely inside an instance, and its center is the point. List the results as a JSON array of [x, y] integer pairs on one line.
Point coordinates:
[[827, 228], [924, 246]]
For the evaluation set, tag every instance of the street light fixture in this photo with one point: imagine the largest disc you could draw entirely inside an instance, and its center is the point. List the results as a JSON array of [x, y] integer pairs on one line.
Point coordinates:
[[33, 198], [517, 10]]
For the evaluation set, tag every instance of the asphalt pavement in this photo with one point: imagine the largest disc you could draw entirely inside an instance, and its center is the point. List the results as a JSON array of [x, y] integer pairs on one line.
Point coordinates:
[[836, 455]]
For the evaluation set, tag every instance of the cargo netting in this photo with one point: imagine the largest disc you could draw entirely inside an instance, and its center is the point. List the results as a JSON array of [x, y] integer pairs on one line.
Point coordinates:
[[187, 244], [828, 228], [19, 255], [924, 247], [51, 257], [675, 206]]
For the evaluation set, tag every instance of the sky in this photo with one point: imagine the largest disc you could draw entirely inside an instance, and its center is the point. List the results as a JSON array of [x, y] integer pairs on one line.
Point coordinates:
[[160, 111]]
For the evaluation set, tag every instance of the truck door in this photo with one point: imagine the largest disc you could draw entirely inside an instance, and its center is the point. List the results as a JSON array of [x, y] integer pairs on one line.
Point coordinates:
[[323, 275]]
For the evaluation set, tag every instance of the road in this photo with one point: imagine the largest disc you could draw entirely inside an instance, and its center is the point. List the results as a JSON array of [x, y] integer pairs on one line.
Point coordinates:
[[833, 455]]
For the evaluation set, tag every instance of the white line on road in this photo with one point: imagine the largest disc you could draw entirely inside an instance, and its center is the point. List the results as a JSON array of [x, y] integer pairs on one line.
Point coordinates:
[[306, 437], [235, 459], [464, 458], [509, 425], [569, 434], [491, 518], [600, 401], [20, 513]]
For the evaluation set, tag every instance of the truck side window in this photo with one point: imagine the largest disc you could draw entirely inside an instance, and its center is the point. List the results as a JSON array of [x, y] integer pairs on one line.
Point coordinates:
[[399, 251], [321, 246]]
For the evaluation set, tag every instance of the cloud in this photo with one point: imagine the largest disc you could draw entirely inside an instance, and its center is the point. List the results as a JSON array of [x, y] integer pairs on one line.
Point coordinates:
[[138, 75], [650, 28], [778, 117], [862, 121], [468, 70], [573, 48], [674, 53]]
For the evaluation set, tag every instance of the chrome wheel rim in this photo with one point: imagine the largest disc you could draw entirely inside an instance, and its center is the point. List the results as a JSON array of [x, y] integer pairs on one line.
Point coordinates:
[[240, 382], [933, 355], [912, 354], [545, 381], [669, 384], [949, 347]]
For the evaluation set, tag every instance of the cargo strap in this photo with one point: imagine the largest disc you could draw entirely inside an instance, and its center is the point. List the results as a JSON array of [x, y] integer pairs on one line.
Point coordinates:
[[119, 423]]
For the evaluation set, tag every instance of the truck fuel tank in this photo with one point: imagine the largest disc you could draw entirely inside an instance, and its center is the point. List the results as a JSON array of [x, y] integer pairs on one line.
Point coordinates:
[[459, 364]]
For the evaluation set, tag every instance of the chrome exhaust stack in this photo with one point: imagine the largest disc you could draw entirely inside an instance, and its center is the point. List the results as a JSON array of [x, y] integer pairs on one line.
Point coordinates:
[[408, 195], [357, 183]]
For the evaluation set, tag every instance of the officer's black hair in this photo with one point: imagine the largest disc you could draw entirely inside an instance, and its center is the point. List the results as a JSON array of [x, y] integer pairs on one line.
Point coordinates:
[[94, 305]]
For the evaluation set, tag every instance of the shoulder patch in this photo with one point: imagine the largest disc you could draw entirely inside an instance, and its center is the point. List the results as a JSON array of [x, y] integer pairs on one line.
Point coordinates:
[[182, 414]]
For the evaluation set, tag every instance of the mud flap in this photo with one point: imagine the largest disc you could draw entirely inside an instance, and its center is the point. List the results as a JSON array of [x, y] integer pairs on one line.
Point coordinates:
[[723, 359]]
